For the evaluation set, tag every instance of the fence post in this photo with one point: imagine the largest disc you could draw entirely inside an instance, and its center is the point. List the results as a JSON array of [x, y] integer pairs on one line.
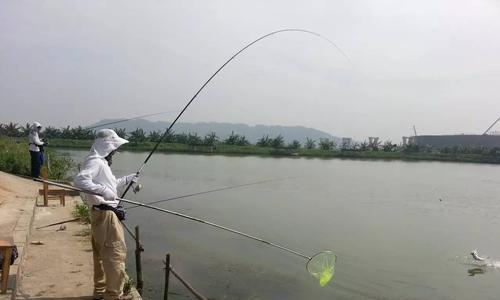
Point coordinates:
[[45, 176], [167, 276], [138, 262]]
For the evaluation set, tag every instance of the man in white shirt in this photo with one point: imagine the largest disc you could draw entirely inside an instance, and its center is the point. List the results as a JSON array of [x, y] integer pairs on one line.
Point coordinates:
[[36, 149], [108, 241]]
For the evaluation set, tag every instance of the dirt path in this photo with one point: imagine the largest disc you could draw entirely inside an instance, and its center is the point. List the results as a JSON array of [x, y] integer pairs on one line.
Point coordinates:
[[15, 194], [54, 262], [58, 261]]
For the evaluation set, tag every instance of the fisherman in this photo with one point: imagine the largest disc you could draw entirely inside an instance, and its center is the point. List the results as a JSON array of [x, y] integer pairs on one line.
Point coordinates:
[[36, 149], [108, 241]]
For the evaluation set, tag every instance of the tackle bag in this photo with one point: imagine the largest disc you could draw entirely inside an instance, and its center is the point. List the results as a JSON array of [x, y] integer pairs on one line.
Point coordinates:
[[119, 211]]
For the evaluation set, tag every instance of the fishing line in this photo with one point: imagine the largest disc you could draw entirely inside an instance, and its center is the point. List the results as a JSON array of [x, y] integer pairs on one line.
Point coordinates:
[[213, 191], [320, 265], [129, 119], [216, 72], [164, 200]]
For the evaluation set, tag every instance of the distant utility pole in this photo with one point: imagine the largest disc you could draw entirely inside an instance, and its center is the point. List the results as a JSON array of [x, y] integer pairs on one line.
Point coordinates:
[[414, 130]]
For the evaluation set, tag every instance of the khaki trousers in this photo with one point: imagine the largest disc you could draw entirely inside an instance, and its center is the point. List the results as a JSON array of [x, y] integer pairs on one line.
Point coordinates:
[[110, 251]]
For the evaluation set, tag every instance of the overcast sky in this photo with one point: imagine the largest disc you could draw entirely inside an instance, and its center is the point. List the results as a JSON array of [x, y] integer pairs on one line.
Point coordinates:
[[430, 63]]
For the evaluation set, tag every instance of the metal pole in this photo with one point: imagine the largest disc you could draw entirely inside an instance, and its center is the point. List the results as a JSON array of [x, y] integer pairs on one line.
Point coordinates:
[[167, 276], [138, 262]]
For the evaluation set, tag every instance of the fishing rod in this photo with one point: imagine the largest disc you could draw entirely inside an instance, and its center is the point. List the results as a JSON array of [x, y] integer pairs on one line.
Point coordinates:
[[214, 74], [129, 119], [321, 265], [173, 198], [212, 191]]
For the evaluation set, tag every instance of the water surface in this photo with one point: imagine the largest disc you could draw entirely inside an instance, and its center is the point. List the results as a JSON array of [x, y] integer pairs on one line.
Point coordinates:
[[401, 230]]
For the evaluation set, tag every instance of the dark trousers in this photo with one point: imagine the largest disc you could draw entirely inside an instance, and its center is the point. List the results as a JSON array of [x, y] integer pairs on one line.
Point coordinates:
[[36, 163]]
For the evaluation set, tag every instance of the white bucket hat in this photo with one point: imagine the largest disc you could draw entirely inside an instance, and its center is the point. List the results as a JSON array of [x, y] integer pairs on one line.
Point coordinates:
[[106, 141]]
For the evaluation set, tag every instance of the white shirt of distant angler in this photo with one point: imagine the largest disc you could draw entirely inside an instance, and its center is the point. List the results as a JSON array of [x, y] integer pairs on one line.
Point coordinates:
[[34, 139]]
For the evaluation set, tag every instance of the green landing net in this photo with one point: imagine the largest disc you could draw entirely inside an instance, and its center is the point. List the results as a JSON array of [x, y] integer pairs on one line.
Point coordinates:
[[322, 266]]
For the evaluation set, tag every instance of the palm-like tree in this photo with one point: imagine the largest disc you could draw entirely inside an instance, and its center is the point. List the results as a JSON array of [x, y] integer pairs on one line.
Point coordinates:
[[310, 144], [194, 139], [210, 139], [264, 141], [25, 129], [241, 140], [121, 132], [231, 139], [11, 129], [326, 144], [294, 145], [363, 146], [52, 132], [278, 142], [137, 136], [154, 136]]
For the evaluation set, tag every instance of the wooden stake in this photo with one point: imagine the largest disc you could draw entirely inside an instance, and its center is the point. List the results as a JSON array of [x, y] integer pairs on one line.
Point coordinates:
[[138, 262], [167, 276]]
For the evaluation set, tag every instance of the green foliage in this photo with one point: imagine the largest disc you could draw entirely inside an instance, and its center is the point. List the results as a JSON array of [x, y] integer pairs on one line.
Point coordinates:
[[127, 287], [326, 144], [15, 159], [389, 146], [278, 142], [137, 136], [11, 129], [236, 139], [82, 211], [294, 145], [264, 141], [210, 139], [154, 136], [121, 132], [310, 144], [194, 140]]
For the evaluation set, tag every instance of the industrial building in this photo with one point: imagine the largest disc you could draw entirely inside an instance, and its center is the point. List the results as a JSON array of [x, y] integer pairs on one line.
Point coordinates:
[[441, 141]]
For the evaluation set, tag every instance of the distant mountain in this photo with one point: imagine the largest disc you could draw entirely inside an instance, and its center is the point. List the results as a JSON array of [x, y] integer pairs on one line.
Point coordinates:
[[223, 130]]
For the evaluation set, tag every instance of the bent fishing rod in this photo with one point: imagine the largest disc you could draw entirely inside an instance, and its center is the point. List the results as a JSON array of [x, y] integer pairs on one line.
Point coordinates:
[[314, 262], [214, 74]]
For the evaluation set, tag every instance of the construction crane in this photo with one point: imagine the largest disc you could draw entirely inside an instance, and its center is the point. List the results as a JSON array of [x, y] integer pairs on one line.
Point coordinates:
[[494, 123]]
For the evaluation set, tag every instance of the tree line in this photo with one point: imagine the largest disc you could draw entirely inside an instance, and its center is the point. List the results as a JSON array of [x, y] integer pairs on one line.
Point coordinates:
[[211, 139], [139, 136]]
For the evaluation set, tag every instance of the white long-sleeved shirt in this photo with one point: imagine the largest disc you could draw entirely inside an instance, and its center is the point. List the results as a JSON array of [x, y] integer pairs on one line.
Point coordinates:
[[96, 176], [34, 141]]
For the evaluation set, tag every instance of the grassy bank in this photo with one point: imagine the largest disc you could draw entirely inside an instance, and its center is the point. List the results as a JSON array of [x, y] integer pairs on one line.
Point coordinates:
[[267, 151], [15, 159]]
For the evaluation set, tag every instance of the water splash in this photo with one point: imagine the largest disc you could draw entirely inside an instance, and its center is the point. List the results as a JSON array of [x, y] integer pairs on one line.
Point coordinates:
[[485, 262]]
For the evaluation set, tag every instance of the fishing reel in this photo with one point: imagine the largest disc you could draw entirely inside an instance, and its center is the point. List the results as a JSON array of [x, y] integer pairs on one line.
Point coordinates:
[[137, 188]]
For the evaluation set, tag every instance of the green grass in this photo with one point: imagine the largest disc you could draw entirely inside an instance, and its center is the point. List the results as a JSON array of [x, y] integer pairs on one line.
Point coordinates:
[[15, 159], [82, 212]]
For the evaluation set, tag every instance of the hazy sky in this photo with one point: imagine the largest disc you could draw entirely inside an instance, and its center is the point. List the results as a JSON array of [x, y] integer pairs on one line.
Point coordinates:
[[435, 64]]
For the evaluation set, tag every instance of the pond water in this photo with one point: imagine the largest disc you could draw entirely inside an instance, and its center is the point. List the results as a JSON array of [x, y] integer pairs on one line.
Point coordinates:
[[401, 230]]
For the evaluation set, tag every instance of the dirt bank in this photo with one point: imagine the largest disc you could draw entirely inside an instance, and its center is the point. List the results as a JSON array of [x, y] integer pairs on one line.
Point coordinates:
[[55, 262]]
